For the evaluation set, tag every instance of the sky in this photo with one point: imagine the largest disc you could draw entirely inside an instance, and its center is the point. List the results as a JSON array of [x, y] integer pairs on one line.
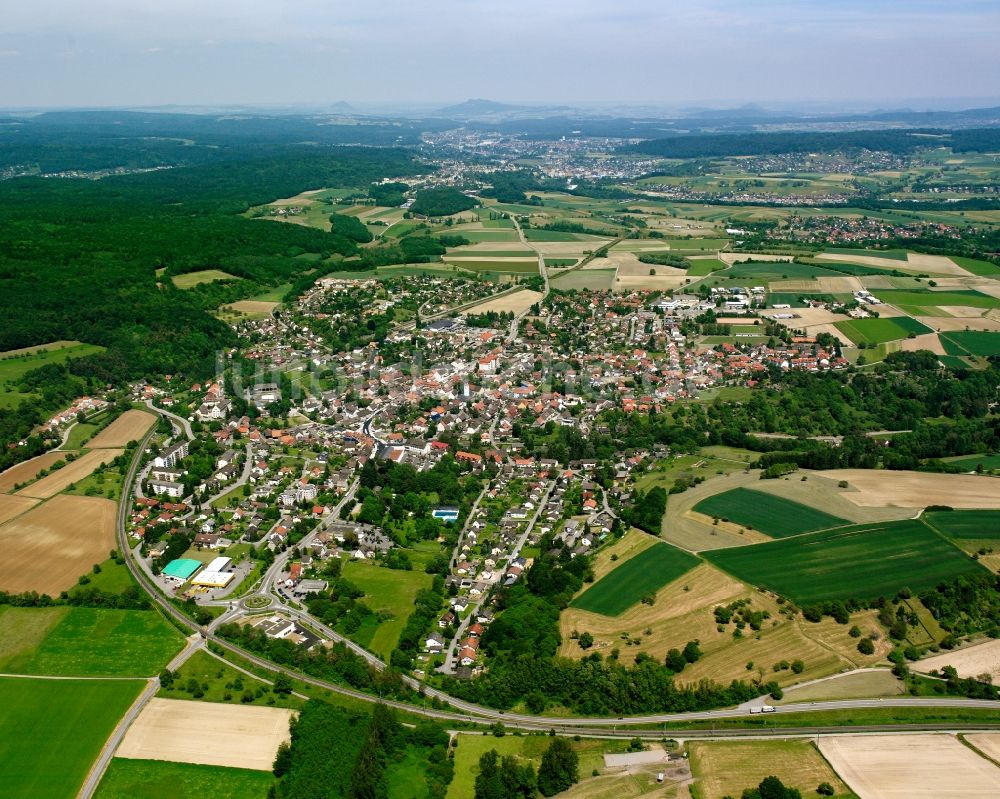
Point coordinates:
[[672, 53]]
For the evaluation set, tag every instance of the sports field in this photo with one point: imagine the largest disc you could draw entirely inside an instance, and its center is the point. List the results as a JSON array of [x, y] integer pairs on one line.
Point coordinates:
[[51, 731], [966, 523], [643, 574], [47, 548], [862, 561], [878, 331], [85, 642], [767, 513], [158, 779]]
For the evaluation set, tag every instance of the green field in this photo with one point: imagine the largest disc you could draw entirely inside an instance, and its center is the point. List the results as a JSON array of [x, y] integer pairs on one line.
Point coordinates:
[[14, 364], [534, 234], [51, 731], [386, 589], [637, 577], [525, 267], [974, 524], [879, 331], [84, 642], [970, 462], [581, 279], [767, 513], [919, 299], [191, 279], [971, 342], [159, 779], [893, 255], [980, 268], [705, 266], [862, 562]]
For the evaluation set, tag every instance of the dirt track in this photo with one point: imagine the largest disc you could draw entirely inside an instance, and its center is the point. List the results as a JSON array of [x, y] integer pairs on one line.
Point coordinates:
[[213, 734], [50, 546]]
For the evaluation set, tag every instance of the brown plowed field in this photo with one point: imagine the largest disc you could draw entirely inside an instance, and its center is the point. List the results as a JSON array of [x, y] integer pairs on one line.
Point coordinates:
[[130, 426], [50, 546], [70, 473]]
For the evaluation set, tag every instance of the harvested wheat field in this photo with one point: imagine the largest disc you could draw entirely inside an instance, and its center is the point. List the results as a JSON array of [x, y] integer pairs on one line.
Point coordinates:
[[237, 736], [130, 426], [657, 282], [70, 473], [933, 264], [48, 547], [971, 661], [252, 307], [948, 324], [911, 767], [518, 303], [987, 743], [876, 488], [629, 545], [724, 768], [927, 341], [855, 685], [14, 506], [26, 471]]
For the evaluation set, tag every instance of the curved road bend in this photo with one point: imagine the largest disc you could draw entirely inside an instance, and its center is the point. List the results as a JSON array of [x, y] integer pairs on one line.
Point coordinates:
[[477, 714]]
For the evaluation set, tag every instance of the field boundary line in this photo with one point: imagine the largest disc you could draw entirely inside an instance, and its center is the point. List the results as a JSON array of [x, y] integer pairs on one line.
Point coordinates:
[[968, 744]]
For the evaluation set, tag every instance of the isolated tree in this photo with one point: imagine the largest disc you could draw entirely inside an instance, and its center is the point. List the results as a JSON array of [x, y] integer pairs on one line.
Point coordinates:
[[559, 768]]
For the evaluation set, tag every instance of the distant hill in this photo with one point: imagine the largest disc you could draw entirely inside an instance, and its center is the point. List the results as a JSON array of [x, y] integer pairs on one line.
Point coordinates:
[[479, 107]]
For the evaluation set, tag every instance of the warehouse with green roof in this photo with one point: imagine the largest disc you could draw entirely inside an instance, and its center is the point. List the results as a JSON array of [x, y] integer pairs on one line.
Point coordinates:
[[181, 569]]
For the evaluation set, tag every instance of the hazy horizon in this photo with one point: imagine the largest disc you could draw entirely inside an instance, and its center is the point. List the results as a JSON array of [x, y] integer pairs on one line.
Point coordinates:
[[721, 53]]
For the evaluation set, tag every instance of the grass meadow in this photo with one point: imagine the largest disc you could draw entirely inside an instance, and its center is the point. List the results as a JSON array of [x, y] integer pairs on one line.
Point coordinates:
[[85, 642], [861, 561], [643, 574], [975, 524], [767, 513], [51, 731], [159, 779], [386, 589]]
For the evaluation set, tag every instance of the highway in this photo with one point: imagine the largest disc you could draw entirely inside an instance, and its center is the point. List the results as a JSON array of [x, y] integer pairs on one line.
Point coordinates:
[[461, 712]]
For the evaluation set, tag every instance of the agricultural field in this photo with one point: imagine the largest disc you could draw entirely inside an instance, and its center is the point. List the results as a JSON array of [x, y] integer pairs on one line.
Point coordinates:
[[879, 331], [158, 779], [191, 279], [130, 426], [971, 342], [767, 513], [585, 279], [969, 661], [874, 488], [912, 766], [862, 561], [517, 302], [53, 730], [971, 463], [978, 524], [725, 768], [26, 471], [246, 310], [642, 574], [47, 548], [858, 685], [964, 298], [386, 589], [14, 506], [978, 268], [14, 364], [206, 733], [85, 642], [60, 479]]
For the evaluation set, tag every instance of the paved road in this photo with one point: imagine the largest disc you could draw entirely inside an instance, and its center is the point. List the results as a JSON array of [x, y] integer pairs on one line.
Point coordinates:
[[468, 712], [180, 422], [516, 321], [193, 644]]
